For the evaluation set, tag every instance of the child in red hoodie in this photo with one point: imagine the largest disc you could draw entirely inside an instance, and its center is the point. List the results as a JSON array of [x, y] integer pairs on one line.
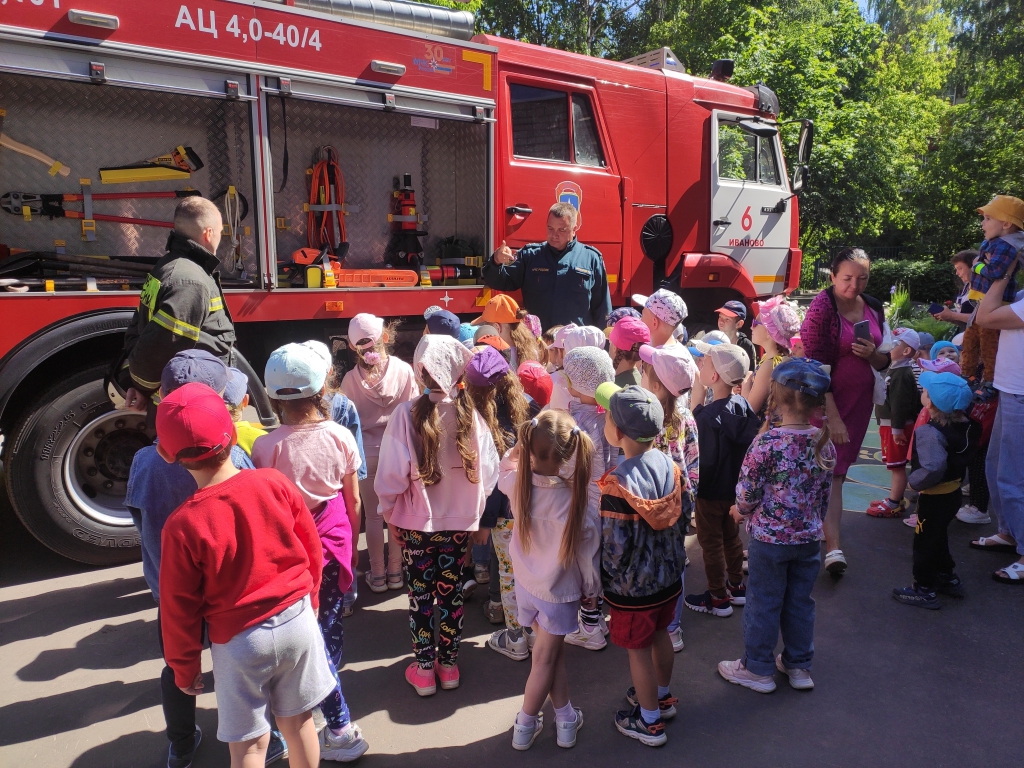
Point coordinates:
[[243, 554]]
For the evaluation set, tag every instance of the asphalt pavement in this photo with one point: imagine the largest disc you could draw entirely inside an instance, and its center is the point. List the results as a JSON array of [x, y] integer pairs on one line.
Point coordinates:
[[894, 685]]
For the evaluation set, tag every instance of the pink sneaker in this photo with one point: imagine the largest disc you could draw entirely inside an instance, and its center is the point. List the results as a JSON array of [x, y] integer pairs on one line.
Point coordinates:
[[449, 676], [421, 679]]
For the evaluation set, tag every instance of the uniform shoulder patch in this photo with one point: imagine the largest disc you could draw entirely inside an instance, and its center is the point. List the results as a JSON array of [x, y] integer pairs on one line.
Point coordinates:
[[147, 298]]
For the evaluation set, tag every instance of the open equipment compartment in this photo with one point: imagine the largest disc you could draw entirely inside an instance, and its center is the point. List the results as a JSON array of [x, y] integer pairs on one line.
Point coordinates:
[[139, 111], [446, 155]]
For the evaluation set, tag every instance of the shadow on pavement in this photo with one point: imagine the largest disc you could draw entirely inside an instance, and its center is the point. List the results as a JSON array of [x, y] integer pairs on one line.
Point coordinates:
[[45, 614], [113, 646]]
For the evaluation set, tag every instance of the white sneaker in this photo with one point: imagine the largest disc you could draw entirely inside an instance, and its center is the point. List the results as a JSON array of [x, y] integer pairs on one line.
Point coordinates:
[[835, 563], [502, 642], [591, 638], [565, 733], [798, 678], [676, 636], [972, 515], [603, 624], [523, 736], [342, 747], [736, 673]]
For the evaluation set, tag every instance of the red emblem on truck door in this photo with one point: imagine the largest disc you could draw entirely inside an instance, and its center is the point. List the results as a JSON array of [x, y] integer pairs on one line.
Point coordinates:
[[572, 193]]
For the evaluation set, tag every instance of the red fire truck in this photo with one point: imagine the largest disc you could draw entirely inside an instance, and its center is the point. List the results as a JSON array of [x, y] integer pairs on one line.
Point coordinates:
[[306, 121]]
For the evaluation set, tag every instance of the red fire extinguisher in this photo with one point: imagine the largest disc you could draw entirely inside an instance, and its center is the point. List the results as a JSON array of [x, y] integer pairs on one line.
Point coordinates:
[[404, 249]]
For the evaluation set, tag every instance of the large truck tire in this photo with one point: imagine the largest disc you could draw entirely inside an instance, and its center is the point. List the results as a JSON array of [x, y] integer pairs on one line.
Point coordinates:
[[67, 470]]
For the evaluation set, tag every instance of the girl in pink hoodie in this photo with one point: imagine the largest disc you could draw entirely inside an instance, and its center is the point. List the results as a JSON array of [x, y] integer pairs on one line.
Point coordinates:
[[376, 386], [438, 465]]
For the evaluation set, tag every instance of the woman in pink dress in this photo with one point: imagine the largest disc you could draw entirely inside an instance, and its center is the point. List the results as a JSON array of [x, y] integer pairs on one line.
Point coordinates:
[[828, 337]]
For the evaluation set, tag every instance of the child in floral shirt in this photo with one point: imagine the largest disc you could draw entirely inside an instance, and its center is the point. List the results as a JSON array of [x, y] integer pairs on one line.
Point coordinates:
[[783, 493]]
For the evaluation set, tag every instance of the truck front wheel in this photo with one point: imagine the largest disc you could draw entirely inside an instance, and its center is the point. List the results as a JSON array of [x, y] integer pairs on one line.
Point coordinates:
[[67, 471]]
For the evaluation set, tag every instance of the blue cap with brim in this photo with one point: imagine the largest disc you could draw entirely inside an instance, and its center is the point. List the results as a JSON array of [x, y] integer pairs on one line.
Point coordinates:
[[194, 366], [237, 388], [803, 375], [947, 391]]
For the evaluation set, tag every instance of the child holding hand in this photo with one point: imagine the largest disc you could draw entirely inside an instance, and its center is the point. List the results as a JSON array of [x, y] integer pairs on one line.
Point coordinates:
[[783, 493], [554, 548]]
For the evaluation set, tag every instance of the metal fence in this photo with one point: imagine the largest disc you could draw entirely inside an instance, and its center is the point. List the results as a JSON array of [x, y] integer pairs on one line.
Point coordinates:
[[822, 265]]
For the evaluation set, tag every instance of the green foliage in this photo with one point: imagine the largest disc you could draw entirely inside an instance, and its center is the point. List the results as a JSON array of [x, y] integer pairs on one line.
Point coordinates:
[[925, 281], [899, 305], [922, 322]]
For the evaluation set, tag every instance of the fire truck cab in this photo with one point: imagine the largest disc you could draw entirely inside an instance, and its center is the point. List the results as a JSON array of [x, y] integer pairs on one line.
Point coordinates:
[[305, 121]]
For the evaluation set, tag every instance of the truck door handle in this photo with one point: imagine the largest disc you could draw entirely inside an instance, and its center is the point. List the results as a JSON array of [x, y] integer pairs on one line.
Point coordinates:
[[518, 210], [722, 222]]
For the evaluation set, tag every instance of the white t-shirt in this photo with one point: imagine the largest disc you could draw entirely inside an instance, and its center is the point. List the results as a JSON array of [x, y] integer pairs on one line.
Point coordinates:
[[1010, 356]]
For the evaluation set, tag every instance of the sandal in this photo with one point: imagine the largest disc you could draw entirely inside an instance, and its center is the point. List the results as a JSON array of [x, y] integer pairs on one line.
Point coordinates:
[[377, 584], [396, 580], [1014, 574], [995, 543], [882, 508]]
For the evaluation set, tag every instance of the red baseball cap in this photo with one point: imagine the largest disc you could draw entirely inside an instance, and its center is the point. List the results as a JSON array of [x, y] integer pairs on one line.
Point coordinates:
[[536, 381], [194, 416]]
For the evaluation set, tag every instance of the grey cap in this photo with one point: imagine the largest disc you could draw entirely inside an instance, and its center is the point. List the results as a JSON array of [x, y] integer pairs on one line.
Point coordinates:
[[237, 388], [634, 410], [194, 366]]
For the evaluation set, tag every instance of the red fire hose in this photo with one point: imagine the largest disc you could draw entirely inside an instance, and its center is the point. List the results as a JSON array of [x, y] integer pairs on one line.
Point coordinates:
[[325, 220]]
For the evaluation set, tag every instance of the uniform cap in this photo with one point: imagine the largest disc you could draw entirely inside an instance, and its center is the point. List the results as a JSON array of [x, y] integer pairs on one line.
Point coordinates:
[[673, 365], [194, 416], [947, 391], [295, 371], [634, 410], [536, 382], [500, 309], [191, 366], [803, 375], [1005, 208], [487, 366]]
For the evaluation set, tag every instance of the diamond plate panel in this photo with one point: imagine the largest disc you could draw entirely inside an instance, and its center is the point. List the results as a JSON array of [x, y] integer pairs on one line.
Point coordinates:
[[88, 127], [448, 166]]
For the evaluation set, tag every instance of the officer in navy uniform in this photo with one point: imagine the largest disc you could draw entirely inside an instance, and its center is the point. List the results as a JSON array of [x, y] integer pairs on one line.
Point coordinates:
[[563, 281]]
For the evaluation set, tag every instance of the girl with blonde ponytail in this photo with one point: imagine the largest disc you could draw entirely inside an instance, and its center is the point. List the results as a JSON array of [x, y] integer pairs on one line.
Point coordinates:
[[556, 541]]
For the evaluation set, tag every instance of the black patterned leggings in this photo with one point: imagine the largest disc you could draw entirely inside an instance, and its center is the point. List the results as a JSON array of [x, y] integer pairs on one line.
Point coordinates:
[[433, 566]]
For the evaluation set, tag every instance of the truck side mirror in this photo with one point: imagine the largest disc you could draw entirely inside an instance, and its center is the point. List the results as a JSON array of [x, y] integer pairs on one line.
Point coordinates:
[[800, 176], [803, 152], [722, 69]]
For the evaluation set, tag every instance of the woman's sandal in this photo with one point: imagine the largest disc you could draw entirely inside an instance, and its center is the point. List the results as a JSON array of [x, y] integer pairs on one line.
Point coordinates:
[[377, 584], [1014, 574], [994, 544]]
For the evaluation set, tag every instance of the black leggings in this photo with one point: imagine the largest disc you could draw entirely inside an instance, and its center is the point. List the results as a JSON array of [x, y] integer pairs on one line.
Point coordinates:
[[931, 540], [433, 566], [978, 495]]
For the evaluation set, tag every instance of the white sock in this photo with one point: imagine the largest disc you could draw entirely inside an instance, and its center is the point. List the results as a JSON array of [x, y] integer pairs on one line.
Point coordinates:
[[526, 720], [662, 691], [565, 714], [650, 716]]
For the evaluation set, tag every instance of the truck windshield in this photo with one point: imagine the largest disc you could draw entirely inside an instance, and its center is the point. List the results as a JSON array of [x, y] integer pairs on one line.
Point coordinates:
[[745, 157]]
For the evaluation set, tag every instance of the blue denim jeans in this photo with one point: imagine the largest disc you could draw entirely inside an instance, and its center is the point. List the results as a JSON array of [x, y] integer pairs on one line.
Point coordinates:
[[779, 597], [1003, 469]]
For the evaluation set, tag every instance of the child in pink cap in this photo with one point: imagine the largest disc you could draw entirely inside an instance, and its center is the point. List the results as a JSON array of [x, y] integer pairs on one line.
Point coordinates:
[[626, 337], [773, 330]]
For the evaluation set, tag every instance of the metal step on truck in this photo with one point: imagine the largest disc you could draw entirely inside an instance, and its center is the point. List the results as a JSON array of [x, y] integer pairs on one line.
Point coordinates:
[[367, 155]]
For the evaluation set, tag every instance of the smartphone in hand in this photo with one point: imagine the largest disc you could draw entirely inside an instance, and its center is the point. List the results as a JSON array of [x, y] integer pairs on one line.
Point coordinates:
[[935, 308], [862, 331]]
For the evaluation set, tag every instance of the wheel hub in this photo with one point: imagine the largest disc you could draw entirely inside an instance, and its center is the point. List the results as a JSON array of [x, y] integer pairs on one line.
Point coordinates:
[[98, 462]]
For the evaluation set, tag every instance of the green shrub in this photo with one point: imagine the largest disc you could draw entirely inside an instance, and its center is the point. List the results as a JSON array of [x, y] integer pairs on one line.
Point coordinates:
[[939, 329], [925, 280]]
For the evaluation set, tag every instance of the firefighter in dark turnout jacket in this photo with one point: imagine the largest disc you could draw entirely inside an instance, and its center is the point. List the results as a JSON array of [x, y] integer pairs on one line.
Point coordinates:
[[181, 307]]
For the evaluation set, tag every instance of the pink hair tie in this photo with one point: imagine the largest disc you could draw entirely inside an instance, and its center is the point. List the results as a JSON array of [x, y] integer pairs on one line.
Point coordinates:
[[371, 358]]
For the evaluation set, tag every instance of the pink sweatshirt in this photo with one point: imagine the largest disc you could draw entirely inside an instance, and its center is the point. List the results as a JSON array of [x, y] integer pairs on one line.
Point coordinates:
[[539, 571], [454, 503], [375, 404]]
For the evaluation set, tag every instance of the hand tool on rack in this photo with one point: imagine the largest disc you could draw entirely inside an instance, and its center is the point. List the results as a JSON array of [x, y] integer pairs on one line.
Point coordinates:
[[55, 165], [325, 212], [177, 165], [29, 204]]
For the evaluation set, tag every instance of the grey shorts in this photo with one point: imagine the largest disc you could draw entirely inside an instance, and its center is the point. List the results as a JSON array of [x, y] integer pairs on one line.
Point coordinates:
[[554, 618], [281, 662]]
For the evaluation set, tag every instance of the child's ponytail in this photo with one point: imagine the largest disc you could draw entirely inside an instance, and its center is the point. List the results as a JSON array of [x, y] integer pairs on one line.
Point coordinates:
[[426, 422], [524, 483], [578, 511]]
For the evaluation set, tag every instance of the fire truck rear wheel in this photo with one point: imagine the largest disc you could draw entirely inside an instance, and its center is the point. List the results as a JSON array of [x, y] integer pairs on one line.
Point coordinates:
[[67, 471]]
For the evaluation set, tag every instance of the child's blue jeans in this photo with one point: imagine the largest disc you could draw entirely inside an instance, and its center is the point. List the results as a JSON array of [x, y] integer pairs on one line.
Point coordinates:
[[779, 598]]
